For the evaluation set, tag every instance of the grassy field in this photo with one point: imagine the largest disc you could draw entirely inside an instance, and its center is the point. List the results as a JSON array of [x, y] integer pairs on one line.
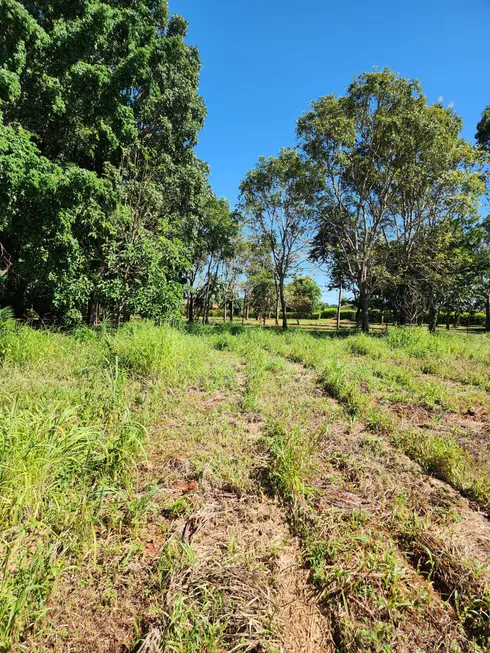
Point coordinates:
[[228, 489], [327, 325]]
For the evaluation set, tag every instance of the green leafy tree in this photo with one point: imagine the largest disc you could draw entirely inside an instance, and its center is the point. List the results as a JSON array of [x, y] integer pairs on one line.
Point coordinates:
[[108, 89], [275, 202], [50, 217], [389, 168], [483, 129], [262, 293], [214, 243], [303, 294]]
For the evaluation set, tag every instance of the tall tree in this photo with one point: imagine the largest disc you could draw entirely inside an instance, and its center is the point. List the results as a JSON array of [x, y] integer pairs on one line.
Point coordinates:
[[214, 242], [388, 165], [303, 294], [111, 89], [483, 129], [275, 200]]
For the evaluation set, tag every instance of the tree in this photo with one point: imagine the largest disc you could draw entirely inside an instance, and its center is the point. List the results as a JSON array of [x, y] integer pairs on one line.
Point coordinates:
[[275, 202], [234, 266], [214, 242], [303, 294], [482, 265], [483, 129], [389, 168], [262, 291], [51, 217], [483, 139], [108, 94]]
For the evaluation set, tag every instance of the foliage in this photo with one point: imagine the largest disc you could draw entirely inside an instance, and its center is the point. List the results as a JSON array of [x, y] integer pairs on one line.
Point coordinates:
[[303, 294], [100, 187], [393, 174], [274, 201]]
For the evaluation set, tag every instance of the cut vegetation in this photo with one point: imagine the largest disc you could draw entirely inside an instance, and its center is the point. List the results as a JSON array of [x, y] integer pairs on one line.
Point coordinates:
[[229, 489]]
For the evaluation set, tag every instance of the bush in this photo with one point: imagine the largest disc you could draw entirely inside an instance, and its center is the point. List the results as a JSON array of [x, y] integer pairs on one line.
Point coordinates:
[[476, 319], [345, 314]]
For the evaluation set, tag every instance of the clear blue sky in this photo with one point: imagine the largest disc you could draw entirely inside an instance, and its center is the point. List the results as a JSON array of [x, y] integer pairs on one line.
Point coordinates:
[[265, 60]]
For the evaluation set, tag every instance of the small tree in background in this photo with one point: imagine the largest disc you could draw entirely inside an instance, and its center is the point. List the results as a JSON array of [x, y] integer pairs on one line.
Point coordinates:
[[275, 200], [303, 294]]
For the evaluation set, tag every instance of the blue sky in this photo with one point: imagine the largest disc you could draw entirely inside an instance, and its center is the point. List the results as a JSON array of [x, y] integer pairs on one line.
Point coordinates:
[[265, 60]]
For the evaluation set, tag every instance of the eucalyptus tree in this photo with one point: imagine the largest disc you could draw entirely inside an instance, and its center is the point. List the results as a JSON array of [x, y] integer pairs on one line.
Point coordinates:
[[275, 201], [233, 268], [389, 168], [482, 261], [261, 292], [215, 241]]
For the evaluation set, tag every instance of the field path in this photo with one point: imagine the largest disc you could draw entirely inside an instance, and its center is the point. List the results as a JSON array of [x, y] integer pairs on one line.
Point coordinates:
[[211, 565], [396, 546]]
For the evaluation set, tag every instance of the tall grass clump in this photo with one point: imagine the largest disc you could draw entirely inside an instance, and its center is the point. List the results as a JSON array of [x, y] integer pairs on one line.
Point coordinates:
[[162, 352], [340, 382], [256, 366], [21, 345], [364, 345], [442, 457], [68, 439], [417, 342], [291, 453]]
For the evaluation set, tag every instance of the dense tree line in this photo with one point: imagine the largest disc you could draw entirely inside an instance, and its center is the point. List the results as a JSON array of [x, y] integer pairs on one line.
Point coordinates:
[[103, 201], [105, 209], [382, 189]]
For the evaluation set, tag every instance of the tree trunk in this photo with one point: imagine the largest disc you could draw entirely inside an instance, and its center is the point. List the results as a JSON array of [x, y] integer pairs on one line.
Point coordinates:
[[92, 310], [205, 310], [364, 306], [225, 310], [487, 313], [232, 307], [339, 306], [283, 305], [457, 320], [205, 307], [433, 318], [244, 304], [277, 303]]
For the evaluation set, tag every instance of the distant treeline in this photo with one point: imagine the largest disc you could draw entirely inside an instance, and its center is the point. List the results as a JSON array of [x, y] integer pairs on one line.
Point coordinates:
[[106, 210]]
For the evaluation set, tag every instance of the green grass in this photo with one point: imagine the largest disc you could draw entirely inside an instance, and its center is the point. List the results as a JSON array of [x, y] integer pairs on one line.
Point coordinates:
[[370, 376], [73, 416], [79, 412]]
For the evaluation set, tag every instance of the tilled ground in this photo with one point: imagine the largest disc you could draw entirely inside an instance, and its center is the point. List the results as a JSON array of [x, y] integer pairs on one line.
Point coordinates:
[[400, 557], [207, 561], [217, 554]]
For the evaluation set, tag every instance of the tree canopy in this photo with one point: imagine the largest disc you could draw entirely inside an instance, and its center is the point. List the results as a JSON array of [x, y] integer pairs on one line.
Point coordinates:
[[106, 210], [100, 184], [392, 173]]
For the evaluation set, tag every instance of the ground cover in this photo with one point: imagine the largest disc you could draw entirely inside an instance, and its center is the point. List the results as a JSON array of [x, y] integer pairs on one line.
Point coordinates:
[[226, 489]]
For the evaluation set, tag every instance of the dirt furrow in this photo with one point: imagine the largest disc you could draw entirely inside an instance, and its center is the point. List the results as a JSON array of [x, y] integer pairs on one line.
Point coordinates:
[[375, 509], [203, 560]]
